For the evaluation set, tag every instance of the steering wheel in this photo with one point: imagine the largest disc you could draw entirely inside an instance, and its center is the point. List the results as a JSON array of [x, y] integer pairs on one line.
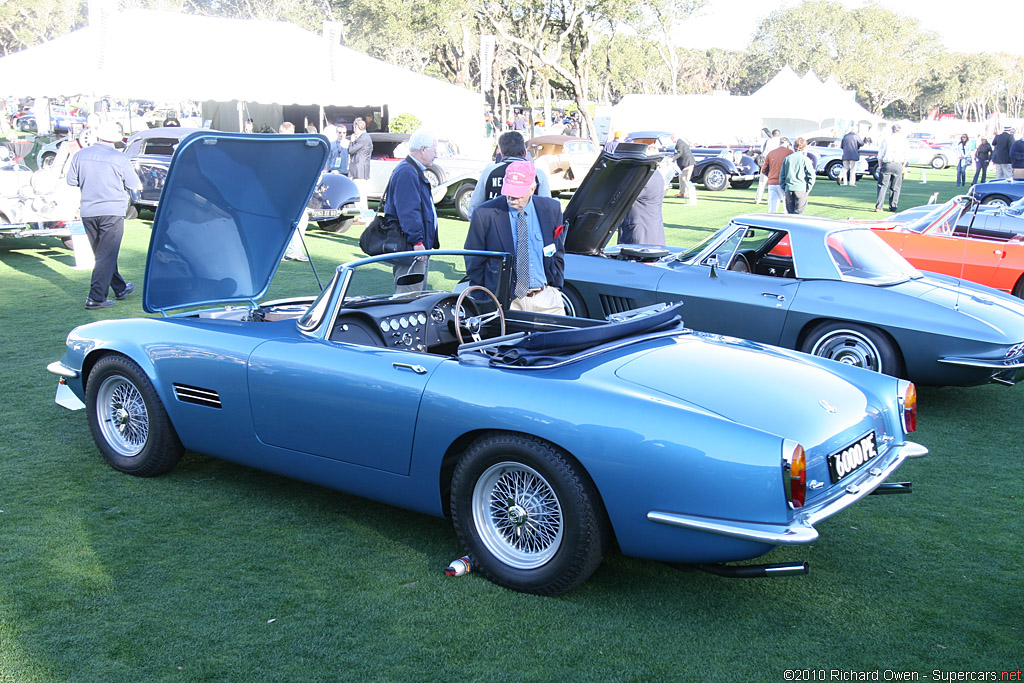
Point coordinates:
[[475, 323], [740, 264]]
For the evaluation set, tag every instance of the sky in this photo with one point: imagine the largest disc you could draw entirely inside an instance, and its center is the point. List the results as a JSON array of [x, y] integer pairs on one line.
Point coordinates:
[[730, 24]]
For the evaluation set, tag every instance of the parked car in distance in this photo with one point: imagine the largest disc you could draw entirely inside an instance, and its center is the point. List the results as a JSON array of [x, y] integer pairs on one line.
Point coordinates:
[[62, 119], [452, 177], [716, 168], [546, 439], [565, 157], [998, 192], [332, 206], [829, 288], [960, 239], [35, 203]]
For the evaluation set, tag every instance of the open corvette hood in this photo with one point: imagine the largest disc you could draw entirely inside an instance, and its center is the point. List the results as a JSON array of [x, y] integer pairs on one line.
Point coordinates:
[[604, 197], [227, 211]]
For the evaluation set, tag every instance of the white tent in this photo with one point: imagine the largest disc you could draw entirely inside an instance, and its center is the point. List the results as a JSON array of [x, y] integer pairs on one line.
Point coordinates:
[[120, 56], [797, 106], [700, 119]]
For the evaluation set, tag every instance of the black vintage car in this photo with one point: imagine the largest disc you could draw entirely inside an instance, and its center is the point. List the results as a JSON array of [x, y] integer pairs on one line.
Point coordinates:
[[332, 206], [716, 168]]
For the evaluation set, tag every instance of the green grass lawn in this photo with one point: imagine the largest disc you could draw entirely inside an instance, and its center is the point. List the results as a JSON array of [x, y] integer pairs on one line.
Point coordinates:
[[217, 572]]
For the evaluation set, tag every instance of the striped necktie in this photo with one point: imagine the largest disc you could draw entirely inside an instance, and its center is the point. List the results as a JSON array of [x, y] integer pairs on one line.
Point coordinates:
[[522, 256]]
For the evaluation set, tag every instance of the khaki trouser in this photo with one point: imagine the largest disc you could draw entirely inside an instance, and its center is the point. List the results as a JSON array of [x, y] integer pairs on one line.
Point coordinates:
[[547, 300]]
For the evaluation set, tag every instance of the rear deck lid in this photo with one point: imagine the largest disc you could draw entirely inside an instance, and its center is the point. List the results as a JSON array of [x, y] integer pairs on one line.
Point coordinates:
[[226, 213]]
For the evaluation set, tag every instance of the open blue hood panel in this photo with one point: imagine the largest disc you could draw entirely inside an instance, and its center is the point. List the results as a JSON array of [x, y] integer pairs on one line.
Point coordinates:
[[227, 211]]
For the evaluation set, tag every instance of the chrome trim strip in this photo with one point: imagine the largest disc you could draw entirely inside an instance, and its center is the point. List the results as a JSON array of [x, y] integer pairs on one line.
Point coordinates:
[[58, 368], [801, 529], [981, 363]]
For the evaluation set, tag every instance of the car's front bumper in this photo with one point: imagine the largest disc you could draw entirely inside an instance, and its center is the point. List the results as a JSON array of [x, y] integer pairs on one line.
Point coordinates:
[[741, 177], [801, 528]]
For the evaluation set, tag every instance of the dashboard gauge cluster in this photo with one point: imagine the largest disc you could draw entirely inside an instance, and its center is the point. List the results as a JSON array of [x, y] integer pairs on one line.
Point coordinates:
[[408, 331]]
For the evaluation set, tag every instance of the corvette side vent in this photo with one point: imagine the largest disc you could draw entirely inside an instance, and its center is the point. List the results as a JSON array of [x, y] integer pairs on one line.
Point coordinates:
[[197, 395], [616, 304]]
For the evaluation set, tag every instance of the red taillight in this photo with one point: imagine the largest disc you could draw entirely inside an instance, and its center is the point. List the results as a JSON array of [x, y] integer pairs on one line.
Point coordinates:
[[794, 473], [910, 408]]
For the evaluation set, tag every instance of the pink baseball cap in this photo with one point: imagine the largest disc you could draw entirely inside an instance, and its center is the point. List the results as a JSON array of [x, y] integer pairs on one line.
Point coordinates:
[[519, 177]]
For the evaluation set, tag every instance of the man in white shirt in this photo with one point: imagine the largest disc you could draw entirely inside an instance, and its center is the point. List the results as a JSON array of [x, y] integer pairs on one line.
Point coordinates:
[[892, 160]]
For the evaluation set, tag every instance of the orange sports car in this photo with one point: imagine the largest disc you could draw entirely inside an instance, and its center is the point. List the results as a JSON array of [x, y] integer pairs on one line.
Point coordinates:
[[947, 239]]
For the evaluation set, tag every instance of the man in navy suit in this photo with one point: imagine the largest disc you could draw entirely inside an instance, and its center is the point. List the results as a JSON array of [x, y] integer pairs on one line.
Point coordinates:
[[528, 227]]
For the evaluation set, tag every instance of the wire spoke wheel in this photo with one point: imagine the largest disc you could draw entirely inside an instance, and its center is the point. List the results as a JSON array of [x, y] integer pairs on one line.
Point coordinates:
[[122, 416], [127, 419], [518, 515]]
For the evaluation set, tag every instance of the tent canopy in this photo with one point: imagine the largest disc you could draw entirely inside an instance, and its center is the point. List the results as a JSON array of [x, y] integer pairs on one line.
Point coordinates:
[[794, 105], [230, 59]]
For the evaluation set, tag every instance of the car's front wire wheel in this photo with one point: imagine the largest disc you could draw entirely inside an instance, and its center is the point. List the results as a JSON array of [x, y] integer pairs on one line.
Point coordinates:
[[527, 518], [128, 421]]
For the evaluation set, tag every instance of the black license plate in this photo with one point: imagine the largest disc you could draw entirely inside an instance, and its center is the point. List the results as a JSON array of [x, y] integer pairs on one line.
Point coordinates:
[[851, 458]]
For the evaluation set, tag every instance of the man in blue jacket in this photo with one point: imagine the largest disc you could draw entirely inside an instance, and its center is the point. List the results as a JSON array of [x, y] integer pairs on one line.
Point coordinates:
[[410, 204], [528, 227]]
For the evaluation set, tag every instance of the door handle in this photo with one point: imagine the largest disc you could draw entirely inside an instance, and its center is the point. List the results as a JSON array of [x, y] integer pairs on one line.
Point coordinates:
[[780, 297], [418, 369]]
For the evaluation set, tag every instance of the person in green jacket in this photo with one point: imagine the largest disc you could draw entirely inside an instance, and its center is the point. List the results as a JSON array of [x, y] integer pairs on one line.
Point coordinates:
[[797, 177]]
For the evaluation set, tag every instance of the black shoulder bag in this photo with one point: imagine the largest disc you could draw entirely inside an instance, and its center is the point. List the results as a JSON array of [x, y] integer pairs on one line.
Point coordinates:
[[383, 236]]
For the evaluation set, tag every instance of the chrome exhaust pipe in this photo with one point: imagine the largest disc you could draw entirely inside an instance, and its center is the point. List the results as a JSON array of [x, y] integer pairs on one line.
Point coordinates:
[[750, 571], [893, 487]]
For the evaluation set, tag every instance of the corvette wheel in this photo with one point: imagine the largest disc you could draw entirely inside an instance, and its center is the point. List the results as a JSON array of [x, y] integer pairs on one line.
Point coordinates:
[[853, 344], [995, 200], [1018, 289], [715, 179], [128, 421], [574, 306], [528, 520]]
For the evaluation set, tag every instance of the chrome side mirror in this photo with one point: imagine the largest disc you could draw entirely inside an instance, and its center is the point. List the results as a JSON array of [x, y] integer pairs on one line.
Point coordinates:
[[712, 261]]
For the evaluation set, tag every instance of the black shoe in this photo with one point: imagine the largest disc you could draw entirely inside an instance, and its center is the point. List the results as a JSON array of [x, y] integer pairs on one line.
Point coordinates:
[[128, 289], [91, 305]]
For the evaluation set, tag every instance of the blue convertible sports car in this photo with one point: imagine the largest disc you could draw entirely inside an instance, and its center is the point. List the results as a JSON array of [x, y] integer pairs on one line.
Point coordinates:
[[544, 438], [831, 288]]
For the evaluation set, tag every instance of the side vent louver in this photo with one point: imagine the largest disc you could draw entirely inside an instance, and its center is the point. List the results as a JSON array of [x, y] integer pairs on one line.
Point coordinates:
[[616, 304], [197, 395]]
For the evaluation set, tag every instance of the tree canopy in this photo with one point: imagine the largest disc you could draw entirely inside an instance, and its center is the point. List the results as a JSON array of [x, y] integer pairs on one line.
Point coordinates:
[[594, 51]]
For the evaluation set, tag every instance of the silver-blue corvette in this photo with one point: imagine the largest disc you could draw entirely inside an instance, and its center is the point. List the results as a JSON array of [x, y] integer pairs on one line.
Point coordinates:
[[545, 439], [830, 288]]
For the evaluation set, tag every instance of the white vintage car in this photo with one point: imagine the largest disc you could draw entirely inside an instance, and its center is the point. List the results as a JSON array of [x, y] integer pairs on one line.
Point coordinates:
[[452, 177]]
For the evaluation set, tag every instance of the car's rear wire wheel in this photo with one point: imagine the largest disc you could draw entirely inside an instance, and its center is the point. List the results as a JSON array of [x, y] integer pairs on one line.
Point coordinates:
[[128, 420], [527, 518]]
